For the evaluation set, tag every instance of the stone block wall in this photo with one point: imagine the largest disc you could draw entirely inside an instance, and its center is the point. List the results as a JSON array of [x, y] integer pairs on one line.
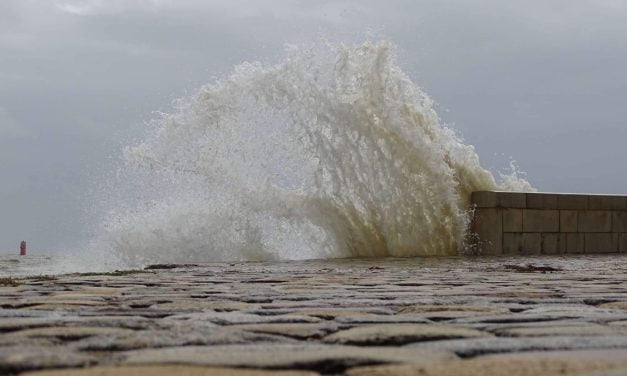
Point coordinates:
[[512, 223]]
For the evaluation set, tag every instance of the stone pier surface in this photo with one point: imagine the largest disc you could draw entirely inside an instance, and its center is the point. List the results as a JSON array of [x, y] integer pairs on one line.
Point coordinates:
[[515, 316], [549, 223]]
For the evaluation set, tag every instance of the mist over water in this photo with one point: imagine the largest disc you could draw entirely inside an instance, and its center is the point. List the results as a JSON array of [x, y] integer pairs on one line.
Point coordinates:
[[332, 152]]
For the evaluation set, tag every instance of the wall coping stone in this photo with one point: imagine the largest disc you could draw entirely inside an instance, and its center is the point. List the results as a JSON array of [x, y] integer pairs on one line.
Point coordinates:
[[548, 200]]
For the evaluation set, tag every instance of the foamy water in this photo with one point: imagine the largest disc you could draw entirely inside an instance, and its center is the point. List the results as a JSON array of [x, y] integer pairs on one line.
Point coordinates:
[[332, 152], [11, 264]]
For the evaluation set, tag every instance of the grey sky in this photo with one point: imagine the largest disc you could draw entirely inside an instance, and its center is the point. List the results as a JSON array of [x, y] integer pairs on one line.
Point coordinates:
[[542, 82]]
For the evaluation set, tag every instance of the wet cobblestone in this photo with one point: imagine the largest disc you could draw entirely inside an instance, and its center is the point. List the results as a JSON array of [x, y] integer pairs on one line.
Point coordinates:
[[455, 316]]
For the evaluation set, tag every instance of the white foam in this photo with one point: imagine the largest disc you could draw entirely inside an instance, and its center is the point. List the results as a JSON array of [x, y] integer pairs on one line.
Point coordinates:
[[332, 152]]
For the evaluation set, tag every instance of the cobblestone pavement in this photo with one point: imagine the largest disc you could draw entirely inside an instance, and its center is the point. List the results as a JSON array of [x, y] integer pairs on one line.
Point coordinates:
[[474, 316]]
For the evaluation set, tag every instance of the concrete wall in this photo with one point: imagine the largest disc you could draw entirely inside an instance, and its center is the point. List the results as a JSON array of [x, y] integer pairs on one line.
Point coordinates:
[[549, 223]]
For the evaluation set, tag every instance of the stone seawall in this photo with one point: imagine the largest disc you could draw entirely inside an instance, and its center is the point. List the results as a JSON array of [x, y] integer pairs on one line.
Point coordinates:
[[549, 223]]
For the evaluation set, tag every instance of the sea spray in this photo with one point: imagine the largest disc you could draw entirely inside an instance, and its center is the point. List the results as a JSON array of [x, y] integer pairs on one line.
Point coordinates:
[[332, 152]]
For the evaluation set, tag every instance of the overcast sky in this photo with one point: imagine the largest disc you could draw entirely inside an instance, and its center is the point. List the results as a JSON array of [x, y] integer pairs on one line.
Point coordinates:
[[542, 82]]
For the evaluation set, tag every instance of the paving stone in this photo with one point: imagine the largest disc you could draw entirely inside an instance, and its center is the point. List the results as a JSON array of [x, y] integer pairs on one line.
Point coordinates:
[[21, 358], [384, 319], [331, 313], [400, 334], [301, 331], [230, 318], [69, 333], [29, 341], [56, 303], [421, 308], [621, 371], [325, 359], [615, 305], [11, 324], [177, 336], [581, 363], [127, 322], [202, 305], [473, 347], [93, 291], [495, 328], [166, 371], [571, 330]]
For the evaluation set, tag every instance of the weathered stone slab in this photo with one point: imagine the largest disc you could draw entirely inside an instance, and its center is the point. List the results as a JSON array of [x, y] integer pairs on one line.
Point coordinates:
[[202, 305], [21, 358], [541, 220], [615, 305], [589, 329], [11, 324], [578, 363], [400, 334], [427, 308], [128, 322], [473, 346], [317, 357], [331, 313], [192, 335], [93, 291], [300, 331], [64, 332], [384, 319], [163, 370], [230, 318], [595, 221]]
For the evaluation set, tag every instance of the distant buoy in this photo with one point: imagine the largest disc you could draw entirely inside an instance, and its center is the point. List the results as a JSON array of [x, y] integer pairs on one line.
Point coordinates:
[[23, 248]]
